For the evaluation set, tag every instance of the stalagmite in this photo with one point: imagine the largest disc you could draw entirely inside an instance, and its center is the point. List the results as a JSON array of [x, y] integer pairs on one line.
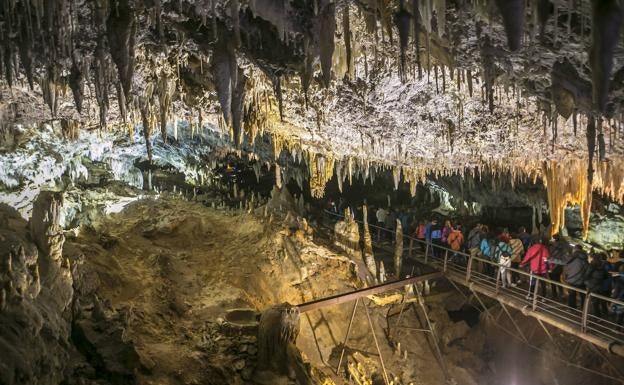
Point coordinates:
[[382, 272], [278, 176], [398, 250], [369, 257]]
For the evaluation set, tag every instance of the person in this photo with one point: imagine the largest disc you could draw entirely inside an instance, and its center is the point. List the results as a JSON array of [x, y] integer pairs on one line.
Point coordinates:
[[381, 215], [559, 250], [473, 242], [504, 236], [404, 219], [446, 231], [574, 269], [331, 206], [503, 255], [486, 250], [517, 248], [435, 237], [420, 234], [524, 237], [536, 257], [455, 240], [594, 279], [618, 293]]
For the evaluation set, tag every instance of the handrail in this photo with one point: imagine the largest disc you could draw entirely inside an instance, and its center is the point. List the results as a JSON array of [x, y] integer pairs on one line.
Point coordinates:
[[581, 317]]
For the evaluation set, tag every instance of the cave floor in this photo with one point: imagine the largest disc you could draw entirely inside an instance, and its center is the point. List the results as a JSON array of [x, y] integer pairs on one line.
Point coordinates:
[[178, 268]]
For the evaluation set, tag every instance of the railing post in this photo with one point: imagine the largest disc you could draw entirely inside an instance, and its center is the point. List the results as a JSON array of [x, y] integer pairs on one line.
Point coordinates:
[[585, 312], [411, 245], [469, 268], [498, 277], [537, 282], [445, 260], [427, 252]]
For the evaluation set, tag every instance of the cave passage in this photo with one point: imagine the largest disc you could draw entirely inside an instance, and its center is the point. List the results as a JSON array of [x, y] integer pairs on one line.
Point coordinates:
[[251, 192]]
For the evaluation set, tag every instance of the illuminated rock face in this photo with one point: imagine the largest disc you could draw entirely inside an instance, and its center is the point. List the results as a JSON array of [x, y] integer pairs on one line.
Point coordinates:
[[448, 99], [35, 297]]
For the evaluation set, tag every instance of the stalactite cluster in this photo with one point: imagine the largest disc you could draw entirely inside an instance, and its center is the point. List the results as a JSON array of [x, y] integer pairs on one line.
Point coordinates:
[[135, 63]]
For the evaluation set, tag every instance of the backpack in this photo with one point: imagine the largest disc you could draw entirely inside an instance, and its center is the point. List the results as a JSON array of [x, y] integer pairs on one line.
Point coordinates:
[[502, 252]]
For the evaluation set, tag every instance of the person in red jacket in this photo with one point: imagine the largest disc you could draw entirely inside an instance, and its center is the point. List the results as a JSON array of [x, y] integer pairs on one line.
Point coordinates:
[[536, 257]]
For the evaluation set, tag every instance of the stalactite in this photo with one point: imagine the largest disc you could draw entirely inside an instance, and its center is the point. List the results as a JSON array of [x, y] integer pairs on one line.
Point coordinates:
[[25, 52], [121, 30], [147, 131], [601, 141], [440, 10], [213, 9], [591, 146], [371, 17], [469, 80], [165, 89], [556, 21], [402, 20], [567, 184], [49, 88], [238, 101], [607, 18], [76, 82], [543, 13], [234, 10], [346, 34], [321, 170], [416, 17], [277, 87], [513, 20], [121, 101], [222, 78], [101, 80], [327, 30]]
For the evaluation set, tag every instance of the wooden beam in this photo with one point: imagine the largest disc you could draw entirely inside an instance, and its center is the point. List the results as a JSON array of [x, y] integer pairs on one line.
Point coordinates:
[[352, 296]]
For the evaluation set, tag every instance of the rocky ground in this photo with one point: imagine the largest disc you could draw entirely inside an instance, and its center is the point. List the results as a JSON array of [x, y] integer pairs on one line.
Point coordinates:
[[169, 291]]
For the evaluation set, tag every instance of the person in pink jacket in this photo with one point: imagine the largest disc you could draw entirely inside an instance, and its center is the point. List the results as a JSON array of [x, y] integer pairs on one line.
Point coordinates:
[[536, 257]]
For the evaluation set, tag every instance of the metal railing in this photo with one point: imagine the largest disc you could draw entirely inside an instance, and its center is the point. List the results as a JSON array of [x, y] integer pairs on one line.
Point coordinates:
[[473, 269]]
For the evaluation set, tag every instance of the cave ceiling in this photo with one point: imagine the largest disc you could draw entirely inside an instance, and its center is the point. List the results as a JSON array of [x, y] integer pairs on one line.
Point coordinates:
[[424, 86]]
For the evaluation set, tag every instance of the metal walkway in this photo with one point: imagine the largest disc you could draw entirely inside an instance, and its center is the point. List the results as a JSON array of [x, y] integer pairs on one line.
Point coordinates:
[[470, 272]]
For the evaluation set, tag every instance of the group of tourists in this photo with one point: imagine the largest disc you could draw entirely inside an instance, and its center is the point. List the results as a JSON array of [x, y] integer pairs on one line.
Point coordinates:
[[556, 260]]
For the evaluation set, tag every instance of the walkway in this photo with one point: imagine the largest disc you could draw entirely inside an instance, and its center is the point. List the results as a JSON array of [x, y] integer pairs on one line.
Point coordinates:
[[469, 271]]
